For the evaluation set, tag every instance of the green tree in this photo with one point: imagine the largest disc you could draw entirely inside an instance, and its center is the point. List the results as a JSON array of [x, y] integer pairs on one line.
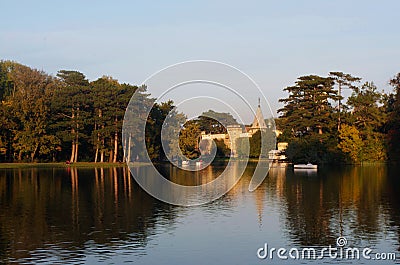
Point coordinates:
[[110, 100], [308, 120], [374, 148], [313, 150], [171, 131], [48, 118], [101, 101], [255, 144], [189, 138], [222, 149], [393, 123], [308, 110], [6, 85], [155, 123], [153, 129], [369, 117], [260, 143], [5, 114], [72, 110], [135, 116], [342, 80], [7, 130], [215, 122], [120, 98], [243, 147], [364, 106], [30, 103]]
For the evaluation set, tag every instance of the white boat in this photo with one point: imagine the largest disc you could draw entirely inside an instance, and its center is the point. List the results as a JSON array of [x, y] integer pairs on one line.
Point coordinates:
[[305, 166], [198, 163], [185, 163]]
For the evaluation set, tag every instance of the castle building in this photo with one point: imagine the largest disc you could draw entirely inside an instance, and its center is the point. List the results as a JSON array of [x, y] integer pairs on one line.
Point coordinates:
[[237, 131]]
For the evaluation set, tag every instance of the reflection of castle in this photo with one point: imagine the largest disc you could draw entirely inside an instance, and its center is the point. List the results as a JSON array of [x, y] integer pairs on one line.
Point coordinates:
[[237, 131]]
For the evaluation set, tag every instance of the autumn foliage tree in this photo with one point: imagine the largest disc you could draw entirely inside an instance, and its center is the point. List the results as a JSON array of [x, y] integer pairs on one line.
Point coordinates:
[[30, 106], [350, 142], [368, 116]]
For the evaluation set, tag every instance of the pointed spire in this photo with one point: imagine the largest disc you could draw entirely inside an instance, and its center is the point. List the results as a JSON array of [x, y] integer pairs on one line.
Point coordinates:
[[258, 122]]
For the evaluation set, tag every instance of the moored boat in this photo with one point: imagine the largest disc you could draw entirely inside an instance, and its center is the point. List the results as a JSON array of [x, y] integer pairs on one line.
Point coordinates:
[[305, 166]]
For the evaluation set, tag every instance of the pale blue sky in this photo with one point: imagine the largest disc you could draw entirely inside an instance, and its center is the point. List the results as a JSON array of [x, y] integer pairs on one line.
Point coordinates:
[[272, 41]]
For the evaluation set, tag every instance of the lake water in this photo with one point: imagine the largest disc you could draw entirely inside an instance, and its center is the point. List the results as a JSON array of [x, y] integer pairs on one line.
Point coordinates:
[[101, 216]]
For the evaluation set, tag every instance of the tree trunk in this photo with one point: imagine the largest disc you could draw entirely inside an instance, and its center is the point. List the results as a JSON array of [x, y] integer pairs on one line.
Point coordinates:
[[77, 135], [101, 139], [102, 156], [33, 154], [128, 159], [115, 140], [115, 147], [76, 149], [72, 152], [110, 158], [72, 159], [111, 155], [97, 144], [96, 155], [98, 137]]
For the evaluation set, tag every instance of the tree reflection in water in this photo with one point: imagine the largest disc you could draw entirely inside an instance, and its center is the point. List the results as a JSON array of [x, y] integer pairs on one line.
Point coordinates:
[[59, 215], [71, 208]]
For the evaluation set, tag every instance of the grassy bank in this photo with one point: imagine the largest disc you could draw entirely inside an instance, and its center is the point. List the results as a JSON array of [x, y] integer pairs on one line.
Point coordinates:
[[64, 165]]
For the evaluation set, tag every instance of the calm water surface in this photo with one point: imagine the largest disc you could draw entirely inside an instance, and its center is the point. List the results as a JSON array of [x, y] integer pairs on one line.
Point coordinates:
[[92, 216]]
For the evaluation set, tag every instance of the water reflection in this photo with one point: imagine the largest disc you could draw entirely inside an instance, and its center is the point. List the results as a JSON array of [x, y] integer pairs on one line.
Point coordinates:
[[93, 215], [71, 209], [337, 202]]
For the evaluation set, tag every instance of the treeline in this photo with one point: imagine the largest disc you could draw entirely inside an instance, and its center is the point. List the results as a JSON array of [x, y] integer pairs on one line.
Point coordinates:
[[69, 118], [321, 128], [66, 117]]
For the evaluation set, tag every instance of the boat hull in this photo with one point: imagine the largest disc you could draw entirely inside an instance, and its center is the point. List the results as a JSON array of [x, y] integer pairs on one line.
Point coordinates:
[[305, 166]]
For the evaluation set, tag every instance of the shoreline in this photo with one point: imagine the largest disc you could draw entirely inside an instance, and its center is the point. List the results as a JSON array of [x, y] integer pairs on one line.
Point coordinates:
[[64, 165], [140, 164]]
